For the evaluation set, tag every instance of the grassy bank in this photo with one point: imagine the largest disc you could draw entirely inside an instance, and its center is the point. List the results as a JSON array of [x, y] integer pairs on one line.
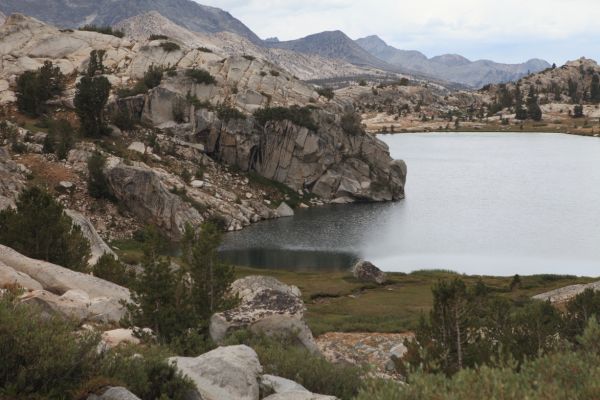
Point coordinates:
[[338, 302]]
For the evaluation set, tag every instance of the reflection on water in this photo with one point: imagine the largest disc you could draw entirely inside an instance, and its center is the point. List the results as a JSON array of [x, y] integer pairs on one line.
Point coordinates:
[[495, 204], [294, 260]]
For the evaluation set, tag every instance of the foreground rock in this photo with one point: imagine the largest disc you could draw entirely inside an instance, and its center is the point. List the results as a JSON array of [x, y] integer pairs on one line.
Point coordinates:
[[115, 393], [227, 373], [367, 272], [381, 351], [567, 293], [267, 306], [66, 292]]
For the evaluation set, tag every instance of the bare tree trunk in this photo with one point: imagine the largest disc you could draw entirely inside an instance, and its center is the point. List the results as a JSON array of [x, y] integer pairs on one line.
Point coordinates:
[[458, 338]]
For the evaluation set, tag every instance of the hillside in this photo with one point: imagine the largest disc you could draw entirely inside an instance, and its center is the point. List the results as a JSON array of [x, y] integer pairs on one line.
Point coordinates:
[[72, 14], [450, 67], [304, 66]]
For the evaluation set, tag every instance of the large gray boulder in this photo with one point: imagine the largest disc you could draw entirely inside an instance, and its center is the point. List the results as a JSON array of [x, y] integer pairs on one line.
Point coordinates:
[[367, 272], [114, 393], [227, 373], [65, 291], [267, 306], [98, 246]]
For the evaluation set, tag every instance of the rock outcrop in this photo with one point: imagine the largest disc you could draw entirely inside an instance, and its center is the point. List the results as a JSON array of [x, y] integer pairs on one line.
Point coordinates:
[[267, 306], [142, 191], [564, 294], [97, 245], [368, 272], [64, 291], [227, 373], [114, 393]]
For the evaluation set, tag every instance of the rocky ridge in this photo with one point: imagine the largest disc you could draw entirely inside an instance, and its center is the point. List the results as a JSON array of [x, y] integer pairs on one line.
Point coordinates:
[[302, 65]]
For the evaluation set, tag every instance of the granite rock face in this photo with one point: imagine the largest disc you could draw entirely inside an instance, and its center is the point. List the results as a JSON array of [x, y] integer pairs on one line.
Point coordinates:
[[564, 294], [63, 291], [267, 306]]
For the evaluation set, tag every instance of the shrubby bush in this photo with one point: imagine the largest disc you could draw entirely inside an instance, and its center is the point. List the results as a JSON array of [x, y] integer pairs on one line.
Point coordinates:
[[106, 30], [201, 76], [326, 92], [226, 113], [170, 47], [40, 229], [352, 124], [60, 138], [157, 37], [46, 357], [300, 116]]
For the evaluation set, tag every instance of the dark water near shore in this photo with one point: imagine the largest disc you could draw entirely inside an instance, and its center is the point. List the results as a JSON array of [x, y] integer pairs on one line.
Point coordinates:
[[481, 203]]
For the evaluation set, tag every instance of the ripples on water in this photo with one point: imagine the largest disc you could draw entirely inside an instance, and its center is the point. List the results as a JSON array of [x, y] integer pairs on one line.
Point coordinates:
[[495, 204]]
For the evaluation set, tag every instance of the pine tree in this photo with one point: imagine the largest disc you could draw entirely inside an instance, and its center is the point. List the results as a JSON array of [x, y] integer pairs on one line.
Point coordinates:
[[35, 88], [595, 89], [40, 229], [97, 181], [534, 111], [449, 322], [157, 300], [520, 111], [210, 277], [96, 65], [90, 99]]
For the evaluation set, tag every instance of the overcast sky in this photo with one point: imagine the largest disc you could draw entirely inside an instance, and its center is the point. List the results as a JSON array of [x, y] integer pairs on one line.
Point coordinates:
[[502, 30]]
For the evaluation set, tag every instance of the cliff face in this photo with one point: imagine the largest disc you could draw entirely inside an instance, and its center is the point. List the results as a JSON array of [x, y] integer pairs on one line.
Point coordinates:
[[332, 159]]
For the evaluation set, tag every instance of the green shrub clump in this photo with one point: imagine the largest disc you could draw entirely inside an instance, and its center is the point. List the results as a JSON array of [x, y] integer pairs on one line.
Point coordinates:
[[35, 88], [226, 113], [112, 270], [60, 138], [201, 76], [106, 30], [170, 47], [40, 229], [300, 116], [46, 357], [157, 37], [326, 92]]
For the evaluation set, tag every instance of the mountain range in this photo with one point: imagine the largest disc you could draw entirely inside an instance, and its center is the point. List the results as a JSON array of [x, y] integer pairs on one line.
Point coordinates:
[[334, 48], [450, 67]]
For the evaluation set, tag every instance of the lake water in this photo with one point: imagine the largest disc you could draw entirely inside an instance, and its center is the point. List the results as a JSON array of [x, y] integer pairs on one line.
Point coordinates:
[[482, 203]]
